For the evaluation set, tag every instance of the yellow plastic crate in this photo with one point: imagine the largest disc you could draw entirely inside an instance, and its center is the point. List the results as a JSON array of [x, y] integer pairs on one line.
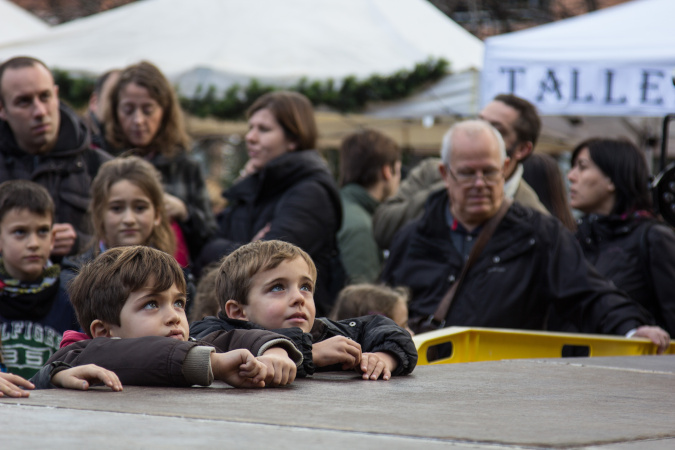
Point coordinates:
[[493, 344]]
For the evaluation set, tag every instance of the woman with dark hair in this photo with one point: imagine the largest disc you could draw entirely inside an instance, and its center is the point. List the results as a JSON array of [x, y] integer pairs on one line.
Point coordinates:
[[543, 175], [287, 191], [619, 233], [145, 119]]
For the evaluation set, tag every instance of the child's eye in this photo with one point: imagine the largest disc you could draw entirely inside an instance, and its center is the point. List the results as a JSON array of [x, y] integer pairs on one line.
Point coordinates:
[[141, 208], [44, 231], [19, 233], [276, 288], [180, 303], [116, 208], [150, 305], [307, 287]]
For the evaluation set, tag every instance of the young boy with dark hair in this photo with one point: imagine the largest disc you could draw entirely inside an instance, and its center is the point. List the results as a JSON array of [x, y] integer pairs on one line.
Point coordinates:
[[34, 308], [270, 285], [131, 303]]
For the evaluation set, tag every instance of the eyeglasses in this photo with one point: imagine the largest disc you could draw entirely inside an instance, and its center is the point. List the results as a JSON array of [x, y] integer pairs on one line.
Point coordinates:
[[490, 177]]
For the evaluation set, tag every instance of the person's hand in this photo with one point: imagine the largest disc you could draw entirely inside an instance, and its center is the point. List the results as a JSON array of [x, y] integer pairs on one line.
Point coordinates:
[[375, 364], [655, 334], [262, 232], [81, 377], [11, 385], [281, 369], [239, 368], [64, 239], [337, 350], [249, 168], [175, 208]]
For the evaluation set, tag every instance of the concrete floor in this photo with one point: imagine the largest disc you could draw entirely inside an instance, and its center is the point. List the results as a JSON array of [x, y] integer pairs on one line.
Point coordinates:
[[623, 403]]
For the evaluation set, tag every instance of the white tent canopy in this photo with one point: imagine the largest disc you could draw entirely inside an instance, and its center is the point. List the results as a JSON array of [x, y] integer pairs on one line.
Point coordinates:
[[617, 61], [222, 42], [16, 23], [454, 95]]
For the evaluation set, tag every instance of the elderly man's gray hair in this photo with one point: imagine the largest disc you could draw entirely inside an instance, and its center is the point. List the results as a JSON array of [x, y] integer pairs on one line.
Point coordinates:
[[471, 128]]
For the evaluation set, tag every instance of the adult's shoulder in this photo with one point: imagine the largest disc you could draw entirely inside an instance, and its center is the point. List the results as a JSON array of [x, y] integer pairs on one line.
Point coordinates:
[[304, 172], [527, 217], [526, 196], [298, 164], [659, 233], [95, 158]]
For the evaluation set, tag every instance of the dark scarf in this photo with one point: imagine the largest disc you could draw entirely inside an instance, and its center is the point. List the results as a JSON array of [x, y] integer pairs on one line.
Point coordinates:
[[23, 300]]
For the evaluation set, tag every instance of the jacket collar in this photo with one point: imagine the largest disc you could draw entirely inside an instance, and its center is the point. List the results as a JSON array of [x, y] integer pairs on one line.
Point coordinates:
[[434, 223], [358, 194], [280, 174], [73, 136]]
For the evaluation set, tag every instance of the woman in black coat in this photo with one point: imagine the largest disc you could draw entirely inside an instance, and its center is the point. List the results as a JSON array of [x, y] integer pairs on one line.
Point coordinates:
[[619, 232], [287, 191]]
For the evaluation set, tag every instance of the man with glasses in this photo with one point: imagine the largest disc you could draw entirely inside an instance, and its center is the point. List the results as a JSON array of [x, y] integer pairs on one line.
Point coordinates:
[[519, 124], [530, 264]]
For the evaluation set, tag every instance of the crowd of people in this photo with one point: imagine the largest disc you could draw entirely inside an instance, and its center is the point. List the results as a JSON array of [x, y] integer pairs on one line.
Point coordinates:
[[106, 230]]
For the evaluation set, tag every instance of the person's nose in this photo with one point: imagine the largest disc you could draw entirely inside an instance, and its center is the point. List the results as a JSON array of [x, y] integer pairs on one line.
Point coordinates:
[[572, 175], [128, 216], [251, 135], [479, 179], [297, 299], [39, 108], [138, 116], [173, 317], [32, 241]]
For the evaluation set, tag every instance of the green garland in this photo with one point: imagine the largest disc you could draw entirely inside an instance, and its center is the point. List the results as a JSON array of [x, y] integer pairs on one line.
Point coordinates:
[[74, 90], [351, 95]]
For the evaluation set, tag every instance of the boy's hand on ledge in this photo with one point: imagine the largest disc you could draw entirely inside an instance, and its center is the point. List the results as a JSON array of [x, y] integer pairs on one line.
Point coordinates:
[[239, 368], [281, 369], [337, 350], [655, 334], [81, 377], [375, 364], [11, 385]]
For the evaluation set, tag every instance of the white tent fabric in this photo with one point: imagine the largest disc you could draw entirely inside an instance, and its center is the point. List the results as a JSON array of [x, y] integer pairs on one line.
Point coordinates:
[[617, 61], [455, 95], [222, 42], [16, 23]]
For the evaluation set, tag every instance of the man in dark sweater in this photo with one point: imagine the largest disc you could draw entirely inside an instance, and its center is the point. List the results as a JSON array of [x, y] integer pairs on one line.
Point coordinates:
[[45, 142]]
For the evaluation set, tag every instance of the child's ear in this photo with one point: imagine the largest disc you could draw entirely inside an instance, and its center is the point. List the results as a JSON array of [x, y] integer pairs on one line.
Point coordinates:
[[234, 310], [98, 328]]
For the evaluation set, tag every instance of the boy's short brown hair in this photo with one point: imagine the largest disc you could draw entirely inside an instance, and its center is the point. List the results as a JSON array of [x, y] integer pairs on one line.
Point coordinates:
[[206, 302], [237, 268], [358, 300], [362, 156], [24, 194], [103, 285]]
